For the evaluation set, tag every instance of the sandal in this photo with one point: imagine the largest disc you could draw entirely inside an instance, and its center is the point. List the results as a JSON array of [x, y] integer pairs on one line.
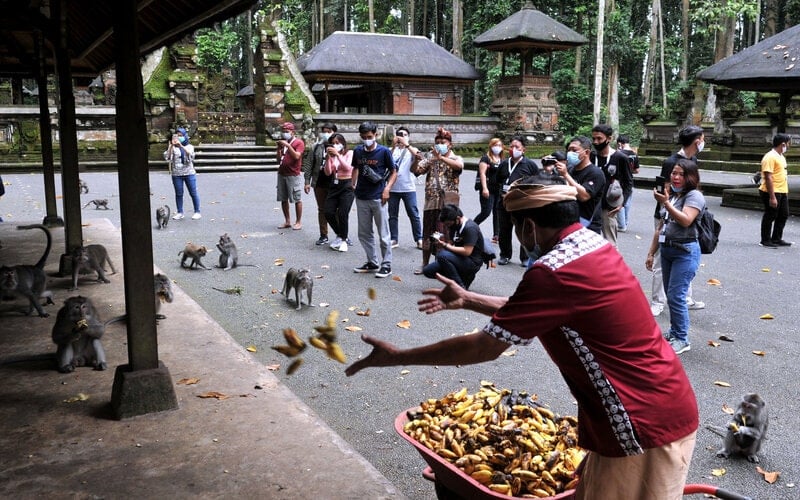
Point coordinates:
[[417, 271], [297, 227], [284, 226]]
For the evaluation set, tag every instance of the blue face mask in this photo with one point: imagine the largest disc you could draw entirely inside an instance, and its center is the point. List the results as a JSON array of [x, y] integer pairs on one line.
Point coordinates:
[[183, 140], [573, 158], [441, 148], [675, 189]]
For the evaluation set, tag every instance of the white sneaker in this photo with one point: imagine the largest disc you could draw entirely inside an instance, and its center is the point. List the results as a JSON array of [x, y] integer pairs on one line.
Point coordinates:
[[177, 216], [336, 243], [395, 244], [656, 309], [694, 305], [196, 216], [343, 247]]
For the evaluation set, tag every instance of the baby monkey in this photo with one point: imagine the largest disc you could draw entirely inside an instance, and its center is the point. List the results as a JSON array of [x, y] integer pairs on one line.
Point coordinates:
[[162, 216], [77, 332], [90, 258], [98, 204], [163, 291], [747, 430], [194, 252]]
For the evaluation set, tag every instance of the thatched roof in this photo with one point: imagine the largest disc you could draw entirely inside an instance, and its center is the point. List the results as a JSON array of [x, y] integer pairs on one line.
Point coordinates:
[[370, 56], [529, 29]]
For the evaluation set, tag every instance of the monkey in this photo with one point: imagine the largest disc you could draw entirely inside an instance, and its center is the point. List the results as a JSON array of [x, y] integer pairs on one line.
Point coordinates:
[[98, 203], [77, 332], [162, 216], [229, 255], [28, 281], [298, 279], [90, 258], [163, 292], [194, 252], [747, 430], [83, 187]]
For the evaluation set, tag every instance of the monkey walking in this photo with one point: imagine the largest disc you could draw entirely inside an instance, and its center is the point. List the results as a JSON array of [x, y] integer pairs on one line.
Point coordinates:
[[90, 258], [28, 281], [194, 252], [98, 204], [747, 430], [162, 216], [299, 279], [77, 332], [83, 187]]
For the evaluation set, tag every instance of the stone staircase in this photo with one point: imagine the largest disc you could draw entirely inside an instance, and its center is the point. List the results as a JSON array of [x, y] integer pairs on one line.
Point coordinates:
[[234, 157]]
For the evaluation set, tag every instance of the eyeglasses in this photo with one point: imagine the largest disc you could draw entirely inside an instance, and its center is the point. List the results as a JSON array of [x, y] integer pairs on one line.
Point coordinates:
[[402, 133]]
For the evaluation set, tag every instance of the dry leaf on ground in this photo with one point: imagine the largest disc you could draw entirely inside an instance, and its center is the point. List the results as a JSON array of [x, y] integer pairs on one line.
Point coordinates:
[[213, 395], [364, 313], [405, 372], [188, 381], [353, 328], [78, 397], [251, 348], [396, 278], [765, 269], [714, 282], [769, 476], [405, 324], [727, 409], [279, 262], [766, 316], [274, 367], [721, 383], [713, 343], [718, 472], [760, 353]]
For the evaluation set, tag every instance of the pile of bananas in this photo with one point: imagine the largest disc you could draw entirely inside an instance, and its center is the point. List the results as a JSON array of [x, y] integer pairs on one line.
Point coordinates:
[[324, 340], [497, 438]]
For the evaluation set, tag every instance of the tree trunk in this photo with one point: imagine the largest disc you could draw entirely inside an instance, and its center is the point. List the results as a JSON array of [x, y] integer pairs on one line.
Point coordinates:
[[476, 89], [578, 54], [770, 18], [598, 68], [248, 48], [458, 27], [724, 37], [424, 18], [259, 93], [661, 44], [684, 72], [650, 63], [371, 7], [613, 96]]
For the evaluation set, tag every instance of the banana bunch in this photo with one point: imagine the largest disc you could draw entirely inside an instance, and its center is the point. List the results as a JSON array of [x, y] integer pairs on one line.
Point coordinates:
[[499, 440]]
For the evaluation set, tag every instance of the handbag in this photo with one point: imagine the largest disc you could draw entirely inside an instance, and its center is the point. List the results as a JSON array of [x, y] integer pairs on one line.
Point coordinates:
[[447, 197], [373, 176]]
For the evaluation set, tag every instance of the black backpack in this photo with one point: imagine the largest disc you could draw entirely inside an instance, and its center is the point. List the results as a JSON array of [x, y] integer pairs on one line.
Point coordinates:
[[708, 231]]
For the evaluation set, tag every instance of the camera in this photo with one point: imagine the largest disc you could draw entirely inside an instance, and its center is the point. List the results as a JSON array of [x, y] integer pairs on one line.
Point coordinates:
[[436, 236], [660, 184], [549, 160]]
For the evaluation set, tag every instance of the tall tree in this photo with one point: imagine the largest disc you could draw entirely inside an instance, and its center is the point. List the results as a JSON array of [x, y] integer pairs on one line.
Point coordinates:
[[598, 70], [458, 27]]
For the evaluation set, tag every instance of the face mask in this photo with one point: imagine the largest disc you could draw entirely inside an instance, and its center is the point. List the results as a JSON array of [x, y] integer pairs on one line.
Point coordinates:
[[601, 146], [338, 147], [573, 158], [183, 140], [785, 149], [701, 146], [368, 142], [324, 136], [441, 148], [497, 149], [286, 136], [516, 153], [675, 189]]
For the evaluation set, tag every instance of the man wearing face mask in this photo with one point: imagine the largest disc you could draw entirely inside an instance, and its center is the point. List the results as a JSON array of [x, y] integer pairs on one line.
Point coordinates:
[[587, 178], [290, 175], [316, 178], [515, 167], [692, 141], [774, 192], [619, 179]]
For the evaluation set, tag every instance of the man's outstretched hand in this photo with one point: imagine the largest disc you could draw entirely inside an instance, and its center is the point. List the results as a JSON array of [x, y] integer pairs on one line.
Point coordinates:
[[452, 296], [383, 354]]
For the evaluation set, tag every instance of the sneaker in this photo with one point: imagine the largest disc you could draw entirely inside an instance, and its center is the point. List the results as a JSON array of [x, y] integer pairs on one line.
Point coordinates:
[[504, 261], [349, 242], [768, 244], [782, 243], [368, 267], [419, 244], [679, 346], [322, 240], [395, 244], [336, 243], [343, 247], [177, 216], [622, 229], [694, 305], [196, 216], [656, 309], [384, 272]]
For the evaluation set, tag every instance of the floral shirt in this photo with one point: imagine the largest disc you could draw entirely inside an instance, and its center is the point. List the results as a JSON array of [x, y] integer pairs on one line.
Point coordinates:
[[440, 177]]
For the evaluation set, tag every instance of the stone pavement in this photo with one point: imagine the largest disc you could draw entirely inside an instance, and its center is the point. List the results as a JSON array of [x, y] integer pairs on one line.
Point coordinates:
[[260, 441]]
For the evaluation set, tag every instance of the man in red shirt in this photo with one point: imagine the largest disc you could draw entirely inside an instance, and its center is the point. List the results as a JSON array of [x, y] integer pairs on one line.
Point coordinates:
[[290, 175], [637, 413]]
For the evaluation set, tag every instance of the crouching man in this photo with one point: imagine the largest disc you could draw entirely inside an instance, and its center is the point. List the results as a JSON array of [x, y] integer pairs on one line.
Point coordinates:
[[459, 254]]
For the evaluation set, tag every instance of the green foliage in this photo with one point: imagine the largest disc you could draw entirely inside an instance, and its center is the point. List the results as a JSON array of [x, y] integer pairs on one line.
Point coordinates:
[[215, 46], [707, 13], [157, 87], [575, 101]]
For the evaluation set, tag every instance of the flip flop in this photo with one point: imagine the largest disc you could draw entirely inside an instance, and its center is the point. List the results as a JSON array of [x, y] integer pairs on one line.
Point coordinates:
[[417, 271], [297, 227], [284, 226]]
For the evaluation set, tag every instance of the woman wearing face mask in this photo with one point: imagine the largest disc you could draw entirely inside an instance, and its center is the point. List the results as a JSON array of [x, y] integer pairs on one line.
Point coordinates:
[[442, 168], [487, 186], [511, 169], [339, 167], [676, 239], [180, 155]]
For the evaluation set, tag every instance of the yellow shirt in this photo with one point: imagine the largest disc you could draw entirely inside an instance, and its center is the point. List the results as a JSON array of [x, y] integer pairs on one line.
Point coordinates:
[[775, 164]]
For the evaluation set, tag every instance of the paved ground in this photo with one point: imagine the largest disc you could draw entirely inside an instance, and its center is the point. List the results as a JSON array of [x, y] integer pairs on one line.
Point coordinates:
[[361, 409]]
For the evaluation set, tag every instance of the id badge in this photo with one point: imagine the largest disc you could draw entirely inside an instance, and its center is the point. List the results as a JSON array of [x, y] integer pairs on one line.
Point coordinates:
[[662, 238], [506, 187], [335, 180]]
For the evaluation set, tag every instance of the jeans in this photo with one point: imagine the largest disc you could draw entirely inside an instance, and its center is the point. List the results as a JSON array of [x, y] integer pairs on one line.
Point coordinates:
[[489, 207], [774, 219], [623, 216], [458, 268], [678, 267], [369, 211], [410, 202], [191, 183]]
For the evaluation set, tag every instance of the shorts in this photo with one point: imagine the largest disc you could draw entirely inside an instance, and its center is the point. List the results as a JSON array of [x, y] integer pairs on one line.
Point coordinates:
[[290, 188]]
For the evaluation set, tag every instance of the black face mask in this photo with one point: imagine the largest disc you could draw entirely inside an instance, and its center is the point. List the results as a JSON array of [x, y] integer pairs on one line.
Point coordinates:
[[601, 146]]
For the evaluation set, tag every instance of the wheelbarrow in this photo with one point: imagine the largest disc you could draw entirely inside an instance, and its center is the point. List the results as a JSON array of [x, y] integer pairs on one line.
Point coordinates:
[[451, 483]]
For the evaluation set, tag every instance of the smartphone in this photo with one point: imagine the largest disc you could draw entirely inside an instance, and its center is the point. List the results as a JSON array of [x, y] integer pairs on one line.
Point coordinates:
[[660, 184]]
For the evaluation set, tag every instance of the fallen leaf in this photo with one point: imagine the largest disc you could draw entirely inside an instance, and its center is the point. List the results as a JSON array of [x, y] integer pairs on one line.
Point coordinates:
[[764, 269], [512, 352], [760, 353], [769, 477], [405, 324], [323, 304], [251, 348], [713, 343], [718, 472], [78, 397], [721, 383], [727, 409], [353, 328], [352, 308], [714, 282], [766, 316], [243, 235], [213, 394], [325, 266], [318, 277], [279, 262], [725, 338], [188, 381], [372, 293], [273, 368], [364, 313], [396, 278], [405, 372]]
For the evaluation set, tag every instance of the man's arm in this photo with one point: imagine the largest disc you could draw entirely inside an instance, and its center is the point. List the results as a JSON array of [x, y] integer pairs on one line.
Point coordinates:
[[452, 296]]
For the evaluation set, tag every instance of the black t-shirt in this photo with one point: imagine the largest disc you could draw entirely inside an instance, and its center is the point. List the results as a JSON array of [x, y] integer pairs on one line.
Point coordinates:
[[615, 167], [469, 236], [491, 174], [594, 182], [521, 168]]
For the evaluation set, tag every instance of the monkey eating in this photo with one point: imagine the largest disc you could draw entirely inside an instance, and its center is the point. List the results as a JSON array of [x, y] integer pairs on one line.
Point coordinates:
[[28, 281], [83, 187], [98, 204], [90, 258], [747, 430], [298, 279], [163, 291], [229, 256], [194, 252], [77, 332], [162, 216]]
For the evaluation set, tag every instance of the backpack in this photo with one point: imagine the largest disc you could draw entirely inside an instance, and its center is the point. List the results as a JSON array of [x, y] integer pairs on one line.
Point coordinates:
[[708, 231]]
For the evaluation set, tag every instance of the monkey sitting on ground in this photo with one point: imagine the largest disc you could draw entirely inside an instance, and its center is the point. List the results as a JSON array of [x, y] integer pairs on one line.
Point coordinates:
[[98, 203], [229, 255], [83, 187], [77, 334], [162, 216], [28, 281], [193, 252], [747, 430], [298, 279], [90, 258], [163, 290]]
